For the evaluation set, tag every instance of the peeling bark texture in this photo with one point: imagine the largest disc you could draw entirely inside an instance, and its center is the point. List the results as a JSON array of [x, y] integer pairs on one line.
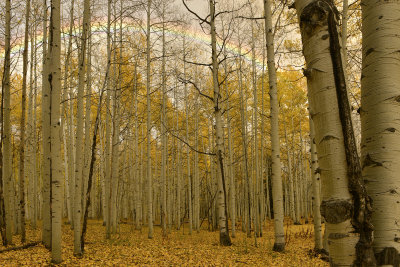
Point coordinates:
[[380, 83], [318, 27]]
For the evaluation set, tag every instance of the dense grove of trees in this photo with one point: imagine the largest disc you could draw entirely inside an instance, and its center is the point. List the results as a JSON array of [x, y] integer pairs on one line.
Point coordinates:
[[219, 114]]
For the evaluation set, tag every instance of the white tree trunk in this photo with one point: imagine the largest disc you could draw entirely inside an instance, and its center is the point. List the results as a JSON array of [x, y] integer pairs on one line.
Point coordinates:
[[316, 190], [279, 244], [380, 92], [54, 83], [219, 136], [79, 157], [149, 124], [46, 231], [107, 151], [336, 199]]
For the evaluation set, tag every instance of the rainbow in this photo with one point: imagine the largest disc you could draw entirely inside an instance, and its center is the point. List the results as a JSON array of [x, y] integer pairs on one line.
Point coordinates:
[[98, 28]]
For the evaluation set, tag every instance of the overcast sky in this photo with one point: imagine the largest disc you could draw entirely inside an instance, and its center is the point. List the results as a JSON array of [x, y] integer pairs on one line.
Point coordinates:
[[199, 6]]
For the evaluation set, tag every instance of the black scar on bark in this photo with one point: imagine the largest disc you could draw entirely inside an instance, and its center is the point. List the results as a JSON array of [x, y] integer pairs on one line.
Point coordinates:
[[336, 211]]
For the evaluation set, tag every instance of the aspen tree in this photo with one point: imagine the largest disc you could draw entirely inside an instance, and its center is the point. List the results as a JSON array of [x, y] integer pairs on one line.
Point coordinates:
[[79, 131], [380, 92], [257, 225], [230, 171], [232, 191], [279, 244], [247, 192], [179, 170], [107, 151], [316, 190], [163, 129], [31, 130], [149, 124], [6, 130], [217, 99], [70, 147], [196, 182], [88, 96], [296, 192], [137, 176], [22, 124], [54, 84], [290, 181], [115, 132], [347, 225], [46, 231], [189, 180], [34, 138]]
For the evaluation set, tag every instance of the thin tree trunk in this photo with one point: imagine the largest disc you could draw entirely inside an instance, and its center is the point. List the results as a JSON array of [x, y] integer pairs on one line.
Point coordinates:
[[189, 181], [279, 244], [219, 137], [148, 82], [79, 132], [163, 132], [54, 84], [290, 181], [108, 131], [244, 141], [316, 190], [69, 148], [22, 125], [6, 132], [46, 231]]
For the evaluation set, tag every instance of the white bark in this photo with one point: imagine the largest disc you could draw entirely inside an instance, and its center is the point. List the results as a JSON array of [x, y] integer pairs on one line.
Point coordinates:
[[149, 125], [46, 231], [279, 244], [219, 135], [380, 92], [336, 198], [316, 190], [54, 80], [107, 151], [79, 132]]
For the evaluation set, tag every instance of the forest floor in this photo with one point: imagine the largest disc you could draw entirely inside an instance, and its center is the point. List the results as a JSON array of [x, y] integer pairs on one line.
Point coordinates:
[[132, 247]]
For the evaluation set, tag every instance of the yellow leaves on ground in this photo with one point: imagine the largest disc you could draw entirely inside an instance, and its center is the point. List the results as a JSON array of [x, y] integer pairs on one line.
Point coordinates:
[[131, 247]]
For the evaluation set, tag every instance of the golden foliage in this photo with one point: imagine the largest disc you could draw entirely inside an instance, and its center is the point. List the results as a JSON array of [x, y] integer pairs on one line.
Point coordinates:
[[132, 248]]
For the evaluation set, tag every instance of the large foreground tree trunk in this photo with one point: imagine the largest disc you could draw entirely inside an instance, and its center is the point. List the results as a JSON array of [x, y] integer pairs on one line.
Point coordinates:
[[345, 204], [380, 83]]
